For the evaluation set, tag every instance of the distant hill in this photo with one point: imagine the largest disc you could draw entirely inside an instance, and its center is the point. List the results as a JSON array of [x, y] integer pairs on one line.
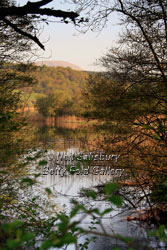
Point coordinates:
[[58, 64]]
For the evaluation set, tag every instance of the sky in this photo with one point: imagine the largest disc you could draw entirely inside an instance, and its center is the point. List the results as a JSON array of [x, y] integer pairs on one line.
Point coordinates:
[[63, 42]]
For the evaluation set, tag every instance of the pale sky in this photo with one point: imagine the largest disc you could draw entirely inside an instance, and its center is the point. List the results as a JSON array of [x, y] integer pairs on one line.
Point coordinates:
[[61, 43]]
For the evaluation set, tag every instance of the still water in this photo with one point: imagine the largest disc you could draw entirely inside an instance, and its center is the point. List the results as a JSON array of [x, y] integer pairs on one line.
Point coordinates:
[[65, 142]]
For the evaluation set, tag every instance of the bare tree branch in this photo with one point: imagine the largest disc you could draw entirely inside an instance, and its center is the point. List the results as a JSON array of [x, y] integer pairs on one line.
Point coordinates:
[[33, 8], [34, 38]]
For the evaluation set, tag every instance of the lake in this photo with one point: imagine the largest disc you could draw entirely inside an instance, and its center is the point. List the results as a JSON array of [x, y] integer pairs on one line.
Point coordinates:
[[81, 157]]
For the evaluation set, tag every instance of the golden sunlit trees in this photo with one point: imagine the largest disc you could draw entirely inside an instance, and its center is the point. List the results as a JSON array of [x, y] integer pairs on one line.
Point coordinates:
[[54, 104], [132, 92]]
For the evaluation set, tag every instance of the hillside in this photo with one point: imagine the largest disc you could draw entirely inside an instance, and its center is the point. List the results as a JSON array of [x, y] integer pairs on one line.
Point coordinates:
[[56, 87], [50, 79], [54, 63]]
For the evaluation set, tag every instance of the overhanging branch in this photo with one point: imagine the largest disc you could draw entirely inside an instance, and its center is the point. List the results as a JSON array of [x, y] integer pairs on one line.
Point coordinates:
[[25, 34], [33, 8]]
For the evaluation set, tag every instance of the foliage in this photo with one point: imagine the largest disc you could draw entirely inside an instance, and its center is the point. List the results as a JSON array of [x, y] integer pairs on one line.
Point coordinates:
[[59, 78], [62, 87], [22, 19], [137, 77], [11, 120], [54, 104], [14, 46], [58, 230], [132, 94], [108, 99]]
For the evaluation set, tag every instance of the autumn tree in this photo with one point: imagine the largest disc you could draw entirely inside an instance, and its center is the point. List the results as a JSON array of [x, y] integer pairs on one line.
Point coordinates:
[[140, 60], [55, 104], [132, 92]]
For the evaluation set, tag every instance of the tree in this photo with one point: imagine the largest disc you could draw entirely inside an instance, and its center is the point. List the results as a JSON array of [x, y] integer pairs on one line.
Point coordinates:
[[141, 55], [55, 104], [57, 231], [17, 17], [11, 119], [138, 64], [134, 91], [141, 60]]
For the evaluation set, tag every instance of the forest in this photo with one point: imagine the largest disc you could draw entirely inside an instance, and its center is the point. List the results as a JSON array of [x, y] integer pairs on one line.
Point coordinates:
[[118, 111], [61, 91]]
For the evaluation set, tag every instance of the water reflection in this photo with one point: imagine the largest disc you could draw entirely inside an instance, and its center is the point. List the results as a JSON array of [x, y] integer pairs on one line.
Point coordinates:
[[70, 140]]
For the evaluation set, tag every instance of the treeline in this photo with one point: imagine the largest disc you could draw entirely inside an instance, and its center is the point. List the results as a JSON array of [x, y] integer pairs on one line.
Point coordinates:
[[50, 79], [63, 91], [57, 91], [54, 91]]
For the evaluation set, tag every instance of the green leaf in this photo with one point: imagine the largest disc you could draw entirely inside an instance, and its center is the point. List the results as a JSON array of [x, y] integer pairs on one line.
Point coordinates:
[[42, 163], [116, 200], [151, 233], [13, 244], [106, 211], [78, 165], [68, 238], [90, 193], [37, 175], [46, 244], [48, 190], [3, 172], [28, 236], [63, 218], [30, 158], [110, 188], [127, 240], [75, 211], [28, 180], [16, 224]]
